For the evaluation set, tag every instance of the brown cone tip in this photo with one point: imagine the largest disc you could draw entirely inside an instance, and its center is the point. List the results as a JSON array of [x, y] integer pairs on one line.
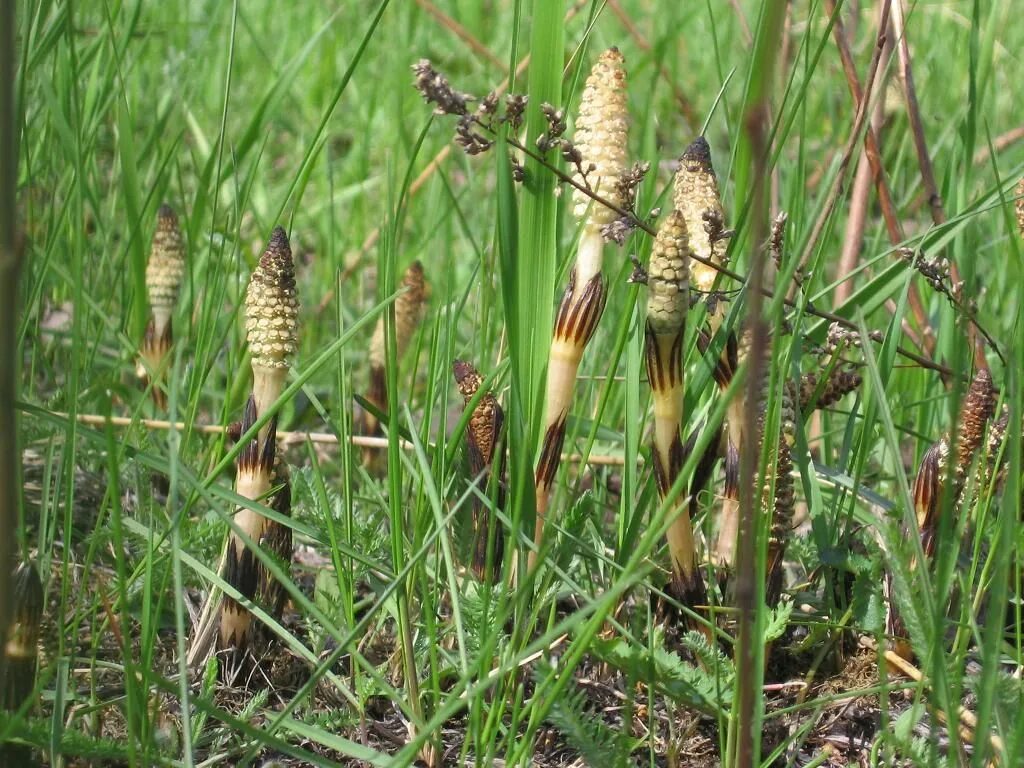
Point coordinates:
[[166, 217], [697, 156], [277, 258], [467, 378], [978, 407]]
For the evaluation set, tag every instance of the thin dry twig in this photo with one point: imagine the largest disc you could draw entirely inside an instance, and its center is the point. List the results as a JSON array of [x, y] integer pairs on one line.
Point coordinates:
[[291, 438], [862, 98], [860, 201], [967, 719], [1000, 143], [462, 33], [924, 160]]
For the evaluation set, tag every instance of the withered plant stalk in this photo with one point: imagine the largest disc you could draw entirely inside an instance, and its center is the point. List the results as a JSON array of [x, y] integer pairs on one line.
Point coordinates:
[[601, 142]]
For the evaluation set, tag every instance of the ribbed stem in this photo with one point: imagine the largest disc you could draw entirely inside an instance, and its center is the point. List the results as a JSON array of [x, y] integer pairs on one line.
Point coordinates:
[[577, 319]]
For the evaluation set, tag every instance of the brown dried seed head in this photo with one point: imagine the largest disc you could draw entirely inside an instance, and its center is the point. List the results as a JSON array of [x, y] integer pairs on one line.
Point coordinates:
[[485, 420], [840, 382], [409, 307], [696, 195], [1020, 206], [271, 305], [601, 128], [978, 407], [668, 276], [166, 266]]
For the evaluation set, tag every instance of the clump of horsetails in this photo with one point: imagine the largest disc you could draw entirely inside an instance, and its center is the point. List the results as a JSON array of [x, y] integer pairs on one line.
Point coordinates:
[[164, 272], [697, 197], [600, 141], [271, 314], [21, 652], [485, 448], [409, 306], [941, 481]]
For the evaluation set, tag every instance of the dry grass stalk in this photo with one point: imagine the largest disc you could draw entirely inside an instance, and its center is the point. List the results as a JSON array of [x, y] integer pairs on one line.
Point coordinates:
[[272, 330], [667, 304], [21, 651], [409, 306], [164, 272], [601, 141], [486, 454]]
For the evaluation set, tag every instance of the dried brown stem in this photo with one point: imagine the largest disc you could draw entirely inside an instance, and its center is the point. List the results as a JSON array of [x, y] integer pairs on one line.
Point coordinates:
[[285, 438], [862, 98], [924, 160], [462, 34]]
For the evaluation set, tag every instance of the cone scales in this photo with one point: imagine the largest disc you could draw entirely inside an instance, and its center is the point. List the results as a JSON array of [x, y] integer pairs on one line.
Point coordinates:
[[408, 312], [667, 303], [601, 129], [164, 272], [483, 440], [271, 328], [782, 501]]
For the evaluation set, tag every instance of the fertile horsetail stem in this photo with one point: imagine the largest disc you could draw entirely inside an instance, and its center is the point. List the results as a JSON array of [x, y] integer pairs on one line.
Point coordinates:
[[164, 272], [696, 196], [600, 139], [409, 306], [667, 304], [272, 330], [483, 441]]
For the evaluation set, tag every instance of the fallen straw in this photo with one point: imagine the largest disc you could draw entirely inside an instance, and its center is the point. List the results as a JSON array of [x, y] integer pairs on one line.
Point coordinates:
[[286, 438]]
